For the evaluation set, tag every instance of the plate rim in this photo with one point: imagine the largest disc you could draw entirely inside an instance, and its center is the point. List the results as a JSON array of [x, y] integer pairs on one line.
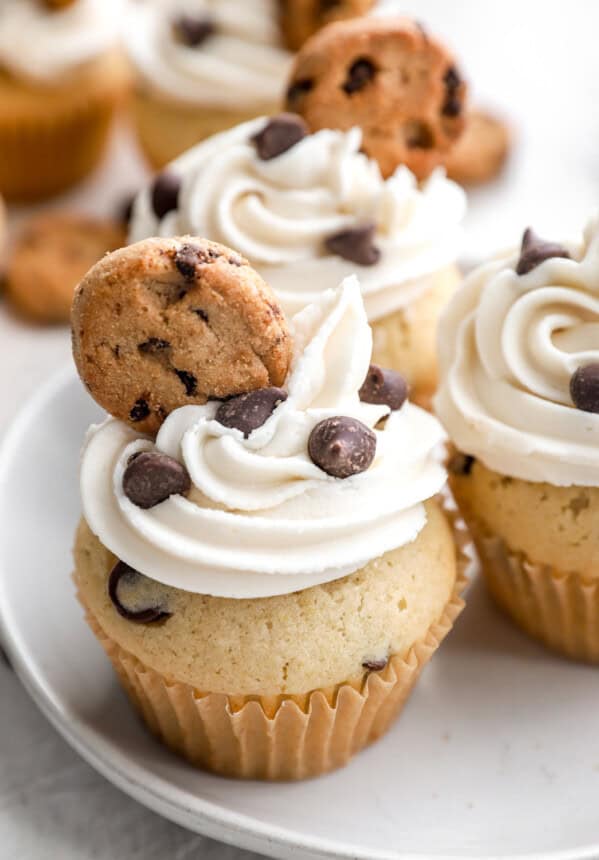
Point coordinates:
[[165, 799]]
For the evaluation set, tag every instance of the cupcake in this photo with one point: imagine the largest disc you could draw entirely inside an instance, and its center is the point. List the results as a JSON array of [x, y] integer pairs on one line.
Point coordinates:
[[519, 397], [202, 67], [61, 78], [267, 571], [308, 210]]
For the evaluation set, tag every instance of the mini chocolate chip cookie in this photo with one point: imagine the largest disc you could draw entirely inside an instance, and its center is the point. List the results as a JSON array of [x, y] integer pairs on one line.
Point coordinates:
[[392, 78], [169, 322], [50, 256], [482, 150], [300, 19]]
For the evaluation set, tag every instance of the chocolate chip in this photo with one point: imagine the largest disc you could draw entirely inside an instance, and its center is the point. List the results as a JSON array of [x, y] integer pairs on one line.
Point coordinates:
[[385, 387], [375, 665], [535, 251], [584, 387], [355, 245], [299, 89], [139, 410], [123, 574], [193, 30], [165, 193], [247, 412], [279, 134], [342, 446], [452, 106], [418, 135], [360, 73], [201, 313], [186, 260], [153, 345], [460, 464], [189, 381], [152, 477]]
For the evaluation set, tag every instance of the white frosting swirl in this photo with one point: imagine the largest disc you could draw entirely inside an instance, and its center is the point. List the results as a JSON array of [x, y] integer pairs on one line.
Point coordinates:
[[279, 213], [262, 518], [41, 44], [242, 65], [508, 347]]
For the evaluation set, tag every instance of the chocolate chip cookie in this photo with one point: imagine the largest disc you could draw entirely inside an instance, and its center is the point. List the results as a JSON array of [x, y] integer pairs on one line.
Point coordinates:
[[170, 322], [481, 151], [392, 78], [50, 256], [300, 19]]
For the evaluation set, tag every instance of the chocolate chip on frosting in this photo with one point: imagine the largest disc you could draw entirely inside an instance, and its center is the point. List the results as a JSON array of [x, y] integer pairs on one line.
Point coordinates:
[[279, 134], [535, 251], [355, 245], [387, 387], [193, 30], [123, 584], [584, 387], [247, 412], [165, 193], [151, 477], [342, 446]]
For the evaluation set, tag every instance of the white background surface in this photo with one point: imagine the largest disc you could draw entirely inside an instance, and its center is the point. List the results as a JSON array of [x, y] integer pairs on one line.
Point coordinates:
[[538, 62]]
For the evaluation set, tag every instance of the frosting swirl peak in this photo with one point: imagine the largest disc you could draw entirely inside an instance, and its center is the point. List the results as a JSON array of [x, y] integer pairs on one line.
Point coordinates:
[[262, 518], [281, 212], [509, 345]]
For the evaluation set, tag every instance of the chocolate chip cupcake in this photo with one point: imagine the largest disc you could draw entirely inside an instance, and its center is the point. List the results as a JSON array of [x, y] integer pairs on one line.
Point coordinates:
[[270, 570], [519, 397], [202, 67], [61, 79], [308, 210]]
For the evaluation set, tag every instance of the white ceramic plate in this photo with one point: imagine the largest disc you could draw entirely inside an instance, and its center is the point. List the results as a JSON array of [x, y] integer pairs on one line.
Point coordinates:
[[496, 755]]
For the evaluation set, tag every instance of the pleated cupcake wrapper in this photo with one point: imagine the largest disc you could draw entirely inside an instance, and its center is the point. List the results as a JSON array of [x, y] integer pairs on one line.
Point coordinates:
[[561, 609], [47, 153], [281, 737]]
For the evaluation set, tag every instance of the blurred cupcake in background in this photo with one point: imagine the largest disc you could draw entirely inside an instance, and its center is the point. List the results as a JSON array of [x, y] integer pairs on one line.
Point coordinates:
[[308, 210], [519, 398], [61, 77], [202, 66]]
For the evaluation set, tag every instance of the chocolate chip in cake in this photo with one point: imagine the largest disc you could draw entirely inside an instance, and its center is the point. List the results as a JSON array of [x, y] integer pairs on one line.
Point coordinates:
[[153, 346], [193, 30], [165, 193], [384, 386], [279, 135], [139, 410], [460, 464], [152, 477], [584, 387], [356, 245], [124, 578], [418, 135], [375, 665], [342, 446], [247, 412], [535, 251], [360, 74]]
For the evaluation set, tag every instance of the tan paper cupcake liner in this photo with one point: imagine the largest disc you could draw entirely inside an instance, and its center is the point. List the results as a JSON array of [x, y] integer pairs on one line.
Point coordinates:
[[561, 609], [286, 737], [49, 151], [166, 129]]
